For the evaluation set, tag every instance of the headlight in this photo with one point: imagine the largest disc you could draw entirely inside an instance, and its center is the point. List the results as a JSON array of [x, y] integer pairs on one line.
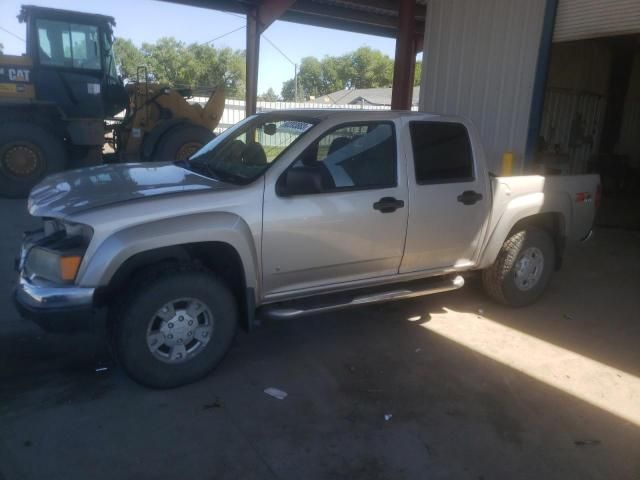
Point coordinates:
[[54, 266], [57, 256]]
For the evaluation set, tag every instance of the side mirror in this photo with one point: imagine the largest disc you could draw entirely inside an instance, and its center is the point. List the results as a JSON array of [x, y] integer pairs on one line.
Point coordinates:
[[269, 129], [299, 181]]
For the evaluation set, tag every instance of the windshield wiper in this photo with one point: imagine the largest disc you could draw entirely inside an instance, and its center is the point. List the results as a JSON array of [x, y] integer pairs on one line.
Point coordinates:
[[224, 176], [208, 171]]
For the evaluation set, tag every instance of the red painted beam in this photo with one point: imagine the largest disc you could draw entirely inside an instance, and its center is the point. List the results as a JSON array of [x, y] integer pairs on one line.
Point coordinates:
[[405, 60], [258, 20], [270, 10], [253, 60]]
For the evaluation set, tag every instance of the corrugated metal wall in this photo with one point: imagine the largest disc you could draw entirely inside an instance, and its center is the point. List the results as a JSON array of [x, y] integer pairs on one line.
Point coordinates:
[[580, 19], [480, 61]]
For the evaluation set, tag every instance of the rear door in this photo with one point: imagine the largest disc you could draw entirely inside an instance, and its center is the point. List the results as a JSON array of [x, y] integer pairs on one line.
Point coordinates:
[[448, 197], [344, 217]]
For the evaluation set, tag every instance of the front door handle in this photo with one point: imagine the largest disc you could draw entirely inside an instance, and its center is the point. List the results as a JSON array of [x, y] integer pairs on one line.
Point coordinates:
[[469, 197], [388, 204]]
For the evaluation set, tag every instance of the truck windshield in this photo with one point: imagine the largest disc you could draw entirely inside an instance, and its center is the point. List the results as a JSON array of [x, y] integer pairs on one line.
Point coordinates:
[[245, 151]]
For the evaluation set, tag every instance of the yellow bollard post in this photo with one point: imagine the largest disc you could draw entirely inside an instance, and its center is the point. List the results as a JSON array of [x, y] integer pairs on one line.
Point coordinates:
[[507, 164]]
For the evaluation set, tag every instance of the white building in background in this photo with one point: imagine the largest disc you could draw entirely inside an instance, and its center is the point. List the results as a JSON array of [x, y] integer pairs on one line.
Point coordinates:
[[363, 96]]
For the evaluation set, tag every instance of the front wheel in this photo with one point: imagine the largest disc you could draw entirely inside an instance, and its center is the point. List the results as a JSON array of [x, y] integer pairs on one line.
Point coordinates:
[[175, 329], [523, 268]]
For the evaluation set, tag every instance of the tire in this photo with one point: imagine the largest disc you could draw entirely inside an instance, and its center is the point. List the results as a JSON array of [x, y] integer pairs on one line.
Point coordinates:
[[523, 269], [28, 153], [138, 326], [180, 142]]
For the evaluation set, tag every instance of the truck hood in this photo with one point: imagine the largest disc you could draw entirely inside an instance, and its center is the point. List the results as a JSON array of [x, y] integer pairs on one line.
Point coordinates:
[[76, 191]]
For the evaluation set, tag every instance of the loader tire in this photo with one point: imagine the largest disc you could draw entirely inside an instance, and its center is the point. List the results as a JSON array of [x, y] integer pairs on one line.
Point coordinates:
[[28, 153], [179, 143]]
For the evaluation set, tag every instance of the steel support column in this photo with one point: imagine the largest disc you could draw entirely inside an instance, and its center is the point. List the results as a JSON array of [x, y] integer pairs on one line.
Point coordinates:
[[405, 60], [253, 60], [258, 19]]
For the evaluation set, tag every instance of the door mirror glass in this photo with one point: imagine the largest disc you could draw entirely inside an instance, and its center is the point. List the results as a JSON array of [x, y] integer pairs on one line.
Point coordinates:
[[269, 129]]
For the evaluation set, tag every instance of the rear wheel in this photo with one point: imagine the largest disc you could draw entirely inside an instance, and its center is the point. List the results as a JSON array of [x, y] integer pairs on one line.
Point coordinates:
[[174, 329], [181, 142], [28, 153], [523, 268]]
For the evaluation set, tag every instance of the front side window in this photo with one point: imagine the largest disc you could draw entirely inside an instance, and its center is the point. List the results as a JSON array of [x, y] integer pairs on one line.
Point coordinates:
[[63, 44], [244, 152], [349, 157], [441, 152]]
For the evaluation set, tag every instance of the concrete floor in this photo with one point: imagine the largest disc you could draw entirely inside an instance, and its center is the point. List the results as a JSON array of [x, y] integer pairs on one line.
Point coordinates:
[[475, 390]]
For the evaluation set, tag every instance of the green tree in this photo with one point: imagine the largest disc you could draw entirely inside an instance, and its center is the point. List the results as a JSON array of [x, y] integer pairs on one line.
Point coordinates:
[[235, 72], [269, 96], [417, 77], [370, 69], [288, 92], [1, 48], [128, 58], [362, 68], [310, 78], [174, 63]]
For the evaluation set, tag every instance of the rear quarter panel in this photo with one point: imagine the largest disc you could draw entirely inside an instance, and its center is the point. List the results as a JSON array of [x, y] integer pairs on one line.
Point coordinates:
[[516, 198]]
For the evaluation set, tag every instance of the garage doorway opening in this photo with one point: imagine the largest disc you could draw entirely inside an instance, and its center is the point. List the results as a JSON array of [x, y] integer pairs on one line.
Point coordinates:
[[591, 121]]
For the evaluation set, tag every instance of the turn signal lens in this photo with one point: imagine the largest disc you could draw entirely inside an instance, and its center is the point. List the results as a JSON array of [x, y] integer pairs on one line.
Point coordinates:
[[69, 267]]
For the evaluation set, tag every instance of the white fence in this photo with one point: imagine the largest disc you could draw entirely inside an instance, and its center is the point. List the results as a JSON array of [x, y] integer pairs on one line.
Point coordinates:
[[234, 110]]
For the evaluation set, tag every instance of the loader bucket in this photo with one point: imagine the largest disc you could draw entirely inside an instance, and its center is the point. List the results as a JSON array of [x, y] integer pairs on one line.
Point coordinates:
[[212, 111]]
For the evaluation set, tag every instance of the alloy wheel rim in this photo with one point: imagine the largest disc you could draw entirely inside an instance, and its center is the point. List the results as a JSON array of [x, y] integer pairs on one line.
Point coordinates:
[[528, 269], [180, 330]]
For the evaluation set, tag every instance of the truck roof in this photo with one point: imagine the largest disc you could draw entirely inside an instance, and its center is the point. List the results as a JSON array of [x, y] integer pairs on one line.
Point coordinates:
[[322, 114]]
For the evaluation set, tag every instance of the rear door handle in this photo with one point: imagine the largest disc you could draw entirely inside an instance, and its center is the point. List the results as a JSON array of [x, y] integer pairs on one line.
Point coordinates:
[[388, 204], [469, 197]]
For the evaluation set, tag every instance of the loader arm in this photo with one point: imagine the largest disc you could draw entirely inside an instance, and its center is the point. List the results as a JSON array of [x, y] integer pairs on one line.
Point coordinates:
[[212, 111]]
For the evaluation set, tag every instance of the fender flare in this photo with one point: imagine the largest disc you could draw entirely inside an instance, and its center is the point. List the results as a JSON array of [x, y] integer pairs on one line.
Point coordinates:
[[223, 227], [522, 208]]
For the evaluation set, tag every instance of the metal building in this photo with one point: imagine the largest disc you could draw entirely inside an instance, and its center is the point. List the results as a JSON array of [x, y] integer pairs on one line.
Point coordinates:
[[555, 82]]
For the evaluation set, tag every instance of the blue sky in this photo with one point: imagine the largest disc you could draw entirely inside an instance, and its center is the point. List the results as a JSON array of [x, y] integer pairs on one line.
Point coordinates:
[[148, 20]]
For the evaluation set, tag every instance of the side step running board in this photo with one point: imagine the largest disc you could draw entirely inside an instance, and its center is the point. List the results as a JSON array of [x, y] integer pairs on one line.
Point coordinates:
[[326, 303]]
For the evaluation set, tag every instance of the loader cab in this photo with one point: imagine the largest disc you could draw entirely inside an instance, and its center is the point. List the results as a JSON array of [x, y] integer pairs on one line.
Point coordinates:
[[73, 61]]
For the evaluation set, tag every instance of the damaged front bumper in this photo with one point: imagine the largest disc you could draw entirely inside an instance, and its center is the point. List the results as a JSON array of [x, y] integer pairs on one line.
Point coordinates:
[[62, 309]]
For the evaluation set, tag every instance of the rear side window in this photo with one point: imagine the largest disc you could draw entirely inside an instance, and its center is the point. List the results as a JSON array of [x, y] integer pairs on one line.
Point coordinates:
[[441, 152]]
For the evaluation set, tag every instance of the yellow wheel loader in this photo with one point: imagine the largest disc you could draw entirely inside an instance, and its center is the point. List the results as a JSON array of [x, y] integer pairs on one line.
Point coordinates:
[[63, 101]]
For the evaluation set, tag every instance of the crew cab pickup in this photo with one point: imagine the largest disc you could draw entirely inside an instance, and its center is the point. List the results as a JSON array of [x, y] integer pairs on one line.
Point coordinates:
[[287, 213]]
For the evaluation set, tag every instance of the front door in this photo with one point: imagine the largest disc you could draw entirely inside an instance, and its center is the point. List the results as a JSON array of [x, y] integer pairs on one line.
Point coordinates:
[[448, 198], [339, 212]]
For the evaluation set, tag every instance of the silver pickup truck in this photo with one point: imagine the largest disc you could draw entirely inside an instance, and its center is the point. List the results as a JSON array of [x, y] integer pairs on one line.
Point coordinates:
[[287, 213]]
